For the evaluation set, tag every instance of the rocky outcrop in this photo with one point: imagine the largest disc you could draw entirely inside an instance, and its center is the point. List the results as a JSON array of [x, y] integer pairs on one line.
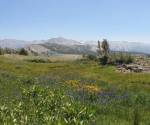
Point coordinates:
[[140, 65], [129, 68], [37, 49]]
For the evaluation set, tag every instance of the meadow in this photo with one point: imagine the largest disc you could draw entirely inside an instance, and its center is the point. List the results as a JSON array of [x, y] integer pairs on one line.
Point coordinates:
[[76, 92]]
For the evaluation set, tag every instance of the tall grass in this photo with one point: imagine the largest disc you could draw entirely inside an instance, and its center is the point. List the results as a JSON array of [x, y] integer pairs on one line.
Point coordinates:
[[71, 93]]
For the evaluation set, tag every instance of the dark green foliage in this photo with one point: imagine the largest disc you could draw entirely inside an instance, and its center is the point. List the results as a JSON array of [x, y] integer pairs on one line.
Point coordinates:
[[116, 58], [8, 51], [136, 116], [39, 60], [92, 57], [1, 51], [23, 52], [120, 58], [103, 52], [105, 47], [105, 57], [103, 60]]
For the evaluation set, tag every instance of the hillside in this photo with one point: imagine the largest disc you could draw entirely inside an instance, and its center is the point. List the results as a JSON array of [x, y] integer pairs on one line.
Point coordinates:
[[62, 45], [66, 46], [13, 44]]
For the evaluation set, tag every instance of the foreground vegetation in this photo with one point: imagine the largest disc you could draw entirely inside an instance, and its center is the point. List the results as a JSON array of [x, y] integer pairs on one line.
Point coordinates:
[[43, 106], [77, 92]]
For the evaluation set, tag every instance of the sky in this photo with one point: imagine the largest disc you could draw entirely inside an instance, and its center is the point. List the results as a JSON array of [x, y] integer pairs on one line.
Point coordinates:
[[120, 20]]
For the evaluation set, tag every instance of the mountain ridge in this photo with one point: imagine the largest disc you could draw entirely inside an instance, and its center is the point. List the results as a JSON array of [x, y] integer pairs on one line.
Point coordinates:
[[68, 46]]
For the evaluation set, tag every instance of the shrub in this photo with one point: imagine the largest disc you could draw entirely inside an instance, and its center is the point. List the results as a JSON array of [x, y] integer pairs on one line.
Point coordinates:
[[39, 60], [8, 50], [1, 51], [103, 60], [42, 106], [91, 57], [23, 52], [120, 58], [116, 58]]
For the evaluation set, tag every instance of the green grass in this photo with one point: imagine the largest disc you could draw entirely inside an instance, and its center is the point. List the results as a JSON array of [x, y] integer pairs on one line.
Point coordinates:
[[120, 97]]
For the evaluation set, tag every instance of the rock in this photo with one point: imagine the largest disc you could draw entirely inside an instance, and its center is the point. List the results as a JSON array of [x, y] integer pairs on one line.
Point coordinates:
[[130, 68]]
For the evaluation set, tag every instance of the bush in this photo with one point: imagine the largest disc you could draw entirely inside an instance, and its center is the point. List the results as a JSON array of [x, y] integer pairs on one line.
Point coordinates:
[[23, 52], [1, 51], [41, 106], [8, 51], [39, 60], [103, 60], [116, 58], [91, 57], [120, 58]]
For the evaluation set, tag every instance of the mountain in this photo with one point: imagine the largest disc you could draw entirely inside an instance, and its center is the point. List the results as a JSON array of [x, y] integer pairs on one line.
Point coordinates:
[[67, 46], [59, 45], [62, 45], [130, 46], [15, 44], [37, 49], [125, 46], [12, 43], [63, 41]]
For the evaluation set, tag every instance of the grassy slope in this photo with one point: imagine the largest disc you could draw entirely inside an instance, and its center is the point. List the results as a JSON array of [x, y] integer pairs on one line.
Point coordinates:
[[136, 85]]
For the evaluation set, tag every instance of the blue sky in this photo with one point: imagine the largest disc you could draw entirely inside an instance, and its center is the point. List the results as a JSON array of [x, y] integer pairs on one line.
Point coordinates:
[[127, 20]]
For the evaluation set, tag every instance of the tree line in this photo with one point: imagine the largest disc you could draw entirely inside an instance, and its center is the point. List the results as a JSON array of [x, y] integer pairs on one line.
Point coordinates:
[[105, 56], [21, 51]]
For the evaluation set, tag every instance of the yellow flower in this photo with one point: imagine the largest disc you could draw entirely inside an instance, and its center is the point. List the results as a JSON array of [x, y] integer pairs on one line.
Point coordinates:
[[92, 88], [73, 83], [76, 84]]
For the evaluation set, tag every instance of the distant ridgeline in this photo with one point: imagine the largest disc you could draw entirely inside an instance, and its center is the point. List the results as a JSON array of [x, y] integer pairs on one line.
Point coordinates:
[[68, 46]]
